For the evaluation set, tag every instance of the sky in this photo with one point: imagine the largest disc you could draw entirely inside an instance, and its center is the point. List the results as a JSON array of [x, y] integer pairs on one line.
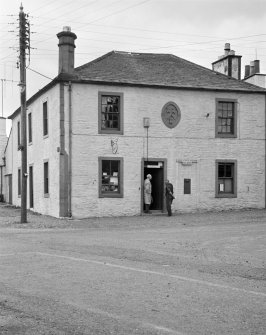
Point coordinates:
[[196, 30]]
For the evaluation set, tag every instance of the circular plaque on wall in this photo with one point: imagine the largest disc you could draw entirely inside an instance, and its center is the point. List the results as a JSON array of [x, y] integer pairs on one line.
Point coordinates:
[[171, 114]]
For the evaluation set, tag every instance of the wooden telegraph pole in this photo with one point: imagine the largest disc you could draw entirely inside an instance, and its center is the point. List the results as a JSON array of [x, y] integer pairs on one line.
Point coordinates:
[[23, 45]]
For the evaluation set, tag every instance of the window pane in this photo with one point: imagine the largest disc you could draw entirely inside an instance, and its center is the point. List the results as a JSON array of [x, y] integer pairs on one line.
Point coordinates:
[[46, 178], [45, 119], [221, 170], [110, 108], [221, 185], [110, 176], [228, 188], [225, 117], [19, 182], [225, 114], [18, 133], [226, 178], [228, 170], [30, 127]]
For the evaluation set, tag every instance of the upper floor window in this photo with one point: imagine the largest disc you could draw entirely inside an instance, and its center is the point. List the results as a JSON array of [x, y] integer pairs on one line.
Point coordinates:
[[18, 129], [110, 113], [226, 118], [226, 176], [45, 119], [29, 128], [111, 177]]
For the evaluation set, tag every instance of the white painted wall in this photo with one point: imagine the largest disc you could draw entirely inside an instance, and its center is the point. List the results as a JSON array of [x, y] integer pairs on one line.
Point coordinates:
[[257, 79], [192, 139], [41, 149]]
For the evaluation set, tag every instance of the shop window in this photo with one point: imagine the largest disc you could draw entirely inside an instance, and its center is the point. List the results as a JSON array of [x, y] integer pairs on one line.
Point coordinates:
[[45, 119], [226, 118], [46, 178], [226, 176], [110, 177], [110, 113]]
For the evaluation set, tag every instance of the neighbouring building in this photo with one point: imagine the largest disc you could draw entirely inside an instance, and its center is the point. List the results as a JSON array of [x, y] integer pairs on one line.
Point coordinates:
[[97, 130], [253, 75], [3, 142]]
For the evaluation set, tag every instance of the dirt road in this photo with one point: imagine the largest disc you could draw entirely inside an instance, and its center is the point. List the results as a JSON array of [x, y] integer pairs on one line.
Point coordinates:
[[185, 275]]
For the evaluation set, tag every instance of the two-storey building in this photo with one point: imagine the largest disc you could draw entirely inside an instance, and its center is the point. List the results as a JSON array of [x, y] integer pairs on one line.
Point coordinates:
[[96, 131]]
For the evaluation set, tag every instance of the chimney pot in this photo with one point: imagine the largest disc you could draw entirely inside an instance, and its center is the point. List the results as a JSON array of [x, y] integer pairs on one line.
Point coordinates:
[[247, 71], [256, 66], [226, 48], [66, 28], [252, 68]]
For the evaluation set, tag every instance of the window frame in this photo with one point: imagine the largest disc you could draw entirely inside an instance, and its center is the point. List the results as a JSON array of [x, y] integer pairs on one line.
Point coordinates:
[[226, 195], [46, 181], [226, 135], [121, 177], [45, 119], [121, 122]]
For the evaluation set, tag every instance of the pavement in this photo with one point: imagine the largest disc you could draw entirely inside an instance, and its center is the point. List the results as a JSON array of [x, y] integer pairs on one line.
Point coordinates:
[[200, 273]]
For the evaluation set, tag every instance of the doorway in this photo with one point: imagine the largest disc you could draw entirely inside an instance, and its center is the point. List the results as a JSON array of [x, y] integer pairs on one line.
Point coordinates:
[[9, 178], [157, 168], [31, 185]]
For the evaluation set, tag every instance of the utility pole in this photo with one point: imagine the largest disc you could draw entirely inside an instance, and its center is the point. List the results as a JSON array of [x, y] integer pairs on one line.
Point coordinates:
[[23, 45]]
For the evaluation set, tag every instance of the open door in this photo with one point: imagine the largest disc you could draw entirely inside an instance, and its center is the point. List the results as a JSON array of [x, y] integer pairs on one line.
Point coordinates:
[[157, 169]]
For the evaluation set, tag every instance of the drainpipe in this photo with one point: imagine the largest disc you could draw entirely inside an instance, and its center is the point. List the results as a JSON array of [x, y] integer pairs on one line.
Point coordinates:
[[265, 151], [70, 150]]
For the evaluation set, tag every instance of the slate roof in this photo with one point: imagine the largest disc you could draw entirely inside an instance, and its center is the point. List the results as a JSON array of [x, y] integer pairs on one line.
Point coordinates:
[[163, 70], [152, 70]]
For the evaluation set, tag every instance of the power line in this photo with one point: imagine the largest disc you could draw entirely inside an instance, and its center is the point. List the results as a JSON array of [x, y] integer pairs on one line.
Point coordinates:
[[39, 73]]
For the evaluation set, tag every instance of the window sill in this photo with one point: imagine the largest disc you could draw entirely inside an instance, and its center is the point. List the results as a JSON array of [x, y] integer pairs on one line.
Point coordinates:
[[45, 136], [111, 196], [226, 196], [109, 131], [46, 195], [225, 136]]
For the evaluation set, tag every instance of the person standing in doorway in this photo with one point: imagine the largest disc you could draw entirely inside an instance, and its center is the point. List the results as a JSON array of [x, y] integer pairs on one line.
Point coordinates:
[[169, 196], [147, 193]]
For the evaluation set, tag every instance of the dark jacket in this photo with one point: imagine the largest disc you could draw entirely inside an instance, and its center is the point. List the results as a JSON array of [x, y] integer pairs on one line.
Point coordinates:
[[169, 190]]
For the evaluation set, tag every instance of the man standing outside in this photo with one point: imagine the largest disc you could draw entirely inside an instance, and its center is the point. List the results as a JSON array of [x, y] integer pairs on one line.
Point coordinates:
[[147, 193], [169, 196]]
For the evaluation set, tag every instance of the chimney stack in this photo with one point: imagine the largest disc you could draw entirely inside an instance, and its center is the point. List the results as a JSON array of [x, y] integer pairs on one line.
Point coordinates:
[[247, 70], [229, 63], [66, 50]]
